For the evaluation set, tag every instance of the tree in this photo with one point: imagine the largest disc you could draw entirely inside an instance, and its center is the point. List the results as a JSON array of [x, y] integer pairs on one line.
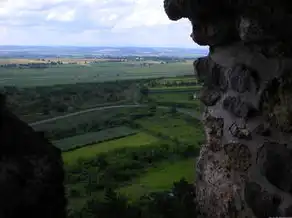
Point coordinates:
[[173, 109], [144, 91]]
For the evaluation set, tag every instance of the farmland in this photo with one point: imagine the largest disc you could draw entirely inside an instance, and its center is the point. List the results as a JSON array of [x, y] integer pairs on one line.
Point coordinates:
[[162, 140], [175, 128], [93, 150], [160, 178], [113, 136], [93, 137], [98, 72], [174, 98]]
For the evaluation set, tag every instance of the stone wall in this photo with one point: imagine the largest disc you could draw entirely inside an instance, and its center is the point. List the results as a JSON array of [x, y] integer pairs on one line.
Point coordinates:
[[31, 171], [245, 167]]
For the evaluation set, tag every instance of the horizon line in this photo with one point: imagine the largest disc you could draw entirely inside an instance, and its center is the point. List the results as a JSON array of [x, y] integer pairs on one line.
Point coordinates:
[[108, 46]]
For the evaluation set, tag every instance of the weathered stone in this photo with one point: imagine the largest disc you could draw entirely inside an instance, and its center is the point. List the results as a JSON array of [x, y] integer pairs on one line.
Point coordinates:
[[263, 204], [263, 130], [250, 30], [209, 97], [175, 9], [237, 107], [214, 32], [242, 65], [275, 161], [239, 156], [238, 132], [242, 79], [214, 126], [210, 73]]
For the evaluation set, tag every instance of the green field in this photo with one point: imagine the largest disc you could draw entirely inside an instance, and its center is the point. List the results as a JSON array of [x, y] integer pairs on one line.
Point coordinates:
[[140, 139], [180, 79], [182, 97], [175, 88], [160, 178], [93, 137], [101, 72], [175, 128]]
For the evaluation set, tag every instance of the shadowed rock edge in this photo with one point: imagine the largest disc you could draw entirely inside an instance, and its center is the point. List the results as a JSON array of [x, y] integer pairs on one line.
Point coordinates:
[[31, 176]]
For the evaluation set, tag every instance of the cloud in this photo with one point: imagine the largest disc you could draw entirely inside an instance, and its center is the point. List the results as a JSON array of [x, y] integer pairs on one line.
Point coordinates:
[[90, 22]]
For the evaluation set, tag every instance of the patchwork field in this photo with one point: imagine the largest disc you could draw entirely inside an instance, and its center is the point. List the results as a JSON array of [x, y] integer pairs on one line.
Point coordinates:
[[99, 72], [88, 152], [94, 137], [174, 88], [133, 150], [160, 178], [175, 128], [185, 97]]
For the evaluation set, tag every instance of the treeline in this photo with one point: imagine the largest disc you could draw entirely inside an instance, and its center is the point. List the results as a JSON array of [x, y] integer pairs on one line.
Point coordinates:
[[31, 65], [177, 202], [55, 100], [172, 83]]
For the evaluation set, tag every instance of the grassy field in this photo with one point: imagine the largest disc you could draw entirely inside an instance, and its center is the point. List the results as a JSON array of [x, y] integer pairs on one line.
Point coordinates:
[[175, 88], [91, 151], [100, 72], [179, 79], [160, 178], [175, 128], [94, 137], [182, 97]]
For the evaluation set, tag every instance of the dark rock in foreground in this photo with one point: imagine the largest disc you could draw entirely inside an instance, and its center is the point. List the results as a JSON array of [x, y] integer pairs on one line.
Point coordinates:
[[31, 173]]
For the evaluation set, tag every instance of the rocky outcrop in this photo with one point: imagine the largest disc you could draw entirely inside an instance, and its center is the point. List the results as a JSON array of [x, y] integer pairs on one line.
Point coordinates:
[[244, 169], [31, 173]]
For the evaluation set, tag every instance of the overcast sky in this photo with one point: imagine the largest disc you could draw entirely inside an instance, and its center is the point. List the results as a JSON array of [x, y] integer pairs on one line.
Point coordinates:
[[91, 22]]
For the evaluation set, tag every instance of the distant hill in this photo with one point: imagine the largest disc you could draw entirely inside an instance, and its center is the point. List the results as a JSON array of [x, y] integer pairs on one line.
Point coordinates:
[[71, 51]]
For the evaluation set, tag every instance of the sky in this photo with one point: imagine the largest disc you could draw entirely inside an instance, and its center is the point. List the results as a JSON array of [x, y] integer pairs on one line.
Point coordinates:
[[91, 23]]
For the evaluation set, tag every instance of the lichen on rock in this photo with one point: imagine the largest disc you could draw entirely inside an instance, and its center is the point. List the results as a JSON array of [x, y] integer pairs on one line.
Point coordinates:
[[244, 168]]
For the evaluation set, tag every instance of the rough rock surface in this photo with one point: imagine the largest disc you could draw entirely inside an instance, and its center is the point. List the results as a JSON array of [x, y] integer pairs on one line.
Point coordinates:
[[31, 173], [244, 169]]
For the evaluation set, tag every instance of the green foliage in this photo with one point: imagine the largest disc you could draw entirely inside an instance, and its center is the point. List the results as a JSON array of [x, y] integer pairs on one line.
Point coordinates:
[[37, 103], [92, 121], [174, 128], [160, 178], [137, 140], [178, 202], [124, 164]]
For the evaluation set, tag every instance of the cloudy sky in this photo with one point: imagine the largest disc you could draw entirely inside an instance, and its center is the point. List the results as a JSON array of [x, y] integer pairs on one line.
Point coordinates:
[[91, 22]]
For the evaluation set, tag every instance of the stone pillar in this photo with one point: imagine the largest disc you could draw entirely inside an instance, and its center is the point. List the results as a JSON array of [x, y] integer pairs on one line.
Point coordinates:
[[245, 166]]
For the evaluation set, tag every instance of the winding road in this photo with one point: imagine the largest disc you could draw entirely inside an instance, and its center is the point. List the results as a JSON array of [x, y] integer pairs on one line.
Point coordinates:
[[189, 112]]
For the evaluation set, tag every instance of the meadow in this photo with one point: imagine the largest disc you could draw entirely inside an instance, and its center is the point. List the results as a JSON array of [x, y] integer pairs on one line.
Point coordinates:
[[160, 153], [175, 128], [160, 178], [88, 152], [174, 88], [181, 97], [97, 72]]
